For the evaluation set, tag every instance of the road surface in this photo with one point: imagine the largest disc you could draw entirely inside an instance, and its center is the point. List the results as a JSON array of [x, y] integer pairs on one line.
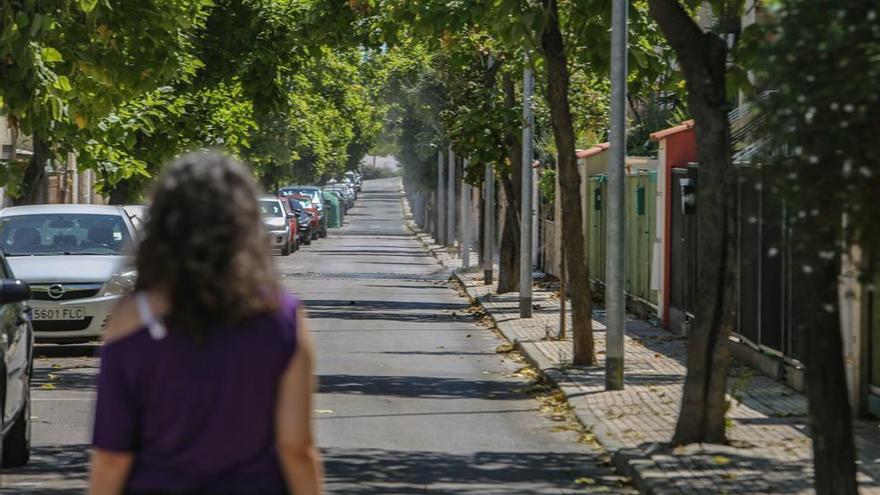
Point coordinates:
[[413, 396]]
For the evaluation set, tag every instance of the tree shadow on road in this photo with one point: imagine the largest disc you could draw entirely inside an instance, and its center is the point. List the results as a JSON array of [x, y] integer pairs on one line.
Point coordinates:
[[392, 472], [371, 251], [65, 378], [425, 387], [67, 350], [369, 305], [401, 311], [61, 469]]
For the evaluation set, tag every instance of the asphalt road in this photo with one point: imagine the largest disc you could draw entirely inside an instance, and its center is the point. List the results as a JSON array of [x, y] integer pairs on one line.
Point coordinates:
[[413, 396]]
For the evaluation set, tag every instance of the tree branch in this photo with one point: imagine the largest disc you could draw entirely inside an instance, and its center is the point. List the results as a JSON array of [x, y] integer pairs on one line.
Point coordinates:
[[677, 25]]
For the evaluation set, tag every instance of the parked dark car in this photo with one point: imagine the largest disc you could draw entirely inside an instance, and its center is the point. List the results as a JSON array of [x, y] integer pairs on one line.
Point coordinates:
[[299, 219], [16, 345], [341, 197], [308, 229], [314, 192], [293, 222], [345, 191]]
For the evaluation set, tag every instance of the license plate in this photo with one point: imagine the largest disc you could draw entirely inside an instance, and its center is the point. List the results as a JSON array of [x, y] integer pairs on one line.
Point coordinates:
[[65, 313]]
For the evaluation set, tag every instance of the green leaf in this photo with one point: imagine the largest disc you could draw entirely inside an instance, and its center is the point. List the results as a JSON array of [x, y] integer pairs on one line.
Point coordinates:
[[88, 5], [22, 20], [63, 84], [51, 55]]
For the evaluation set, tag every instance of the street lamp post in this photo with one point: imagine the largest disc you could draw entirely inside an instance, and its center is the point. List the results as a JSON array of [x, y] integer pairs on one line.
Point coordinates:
[[440, 228], [464, 225], [488, 224], [450, 199], [525, 239], [615, 241]]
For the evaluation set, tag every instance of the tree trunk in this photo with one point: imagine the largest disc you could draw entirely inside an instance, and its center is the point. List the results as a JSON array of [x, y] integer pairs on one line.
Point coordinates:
[[511, 186], [508, 252], [703, 59], [120, 193], [31, 191], [556, 64], [829, 408]]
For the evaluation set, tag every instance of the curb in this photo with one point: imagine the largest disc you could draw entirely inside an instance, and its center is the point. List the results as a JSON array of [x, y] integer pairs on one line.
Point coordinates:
[[632, 463]]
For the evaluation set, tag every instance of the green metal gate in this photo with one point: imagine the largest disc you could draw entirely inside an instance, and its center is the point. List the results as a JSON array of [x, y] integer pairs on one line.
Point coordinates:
[[640, 214]]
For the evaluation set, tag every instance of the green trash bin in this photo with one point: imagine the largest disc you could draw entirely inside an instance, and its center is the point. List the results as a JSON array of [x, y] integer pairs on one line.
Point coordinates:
[[334, 210]]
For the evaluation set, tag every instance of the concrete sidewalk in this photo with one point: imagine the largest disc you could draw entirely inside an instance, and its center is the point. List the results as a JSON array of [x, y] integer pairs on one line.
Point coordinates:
[[770, 450]]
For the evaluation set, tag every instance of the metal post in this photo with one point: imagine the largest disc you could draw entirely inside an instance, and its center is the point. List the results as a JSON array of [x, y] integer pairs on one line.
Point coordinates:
[[440, 228], [525, 239], [615, 241], [535, 224], [425, 217], [450, 200], [74, 177], [558, 240], [465, 222], [488, 224]]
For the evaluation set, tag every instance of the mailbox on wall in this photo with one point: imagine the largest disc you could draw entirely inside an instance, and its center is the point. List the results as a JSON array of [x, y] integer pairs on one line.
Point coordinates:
[[688, 195]]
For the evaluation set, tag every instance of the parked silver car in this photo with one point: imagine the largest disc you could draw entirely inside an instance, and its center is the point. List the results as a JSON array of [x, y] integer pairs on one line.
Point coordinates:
[[277, 223], [138, 215], [77, 260]]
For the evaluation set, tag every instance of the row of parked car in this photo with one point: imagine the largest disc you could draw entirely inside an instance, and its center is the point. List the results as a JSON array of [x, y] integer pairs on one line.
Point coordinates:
[[64, 267], [298, 215]]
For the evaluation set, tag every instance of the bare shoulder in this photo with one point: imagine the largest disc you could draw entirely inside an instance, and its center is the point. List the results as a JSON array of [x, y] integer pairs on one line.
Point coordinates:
[[123, 321]]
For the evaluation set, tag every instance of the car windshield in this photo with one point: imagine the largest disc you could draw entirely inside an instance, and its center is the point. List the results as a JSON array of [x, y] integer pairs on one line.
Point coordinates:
[[305, 191], [271, 208], [63, 234]]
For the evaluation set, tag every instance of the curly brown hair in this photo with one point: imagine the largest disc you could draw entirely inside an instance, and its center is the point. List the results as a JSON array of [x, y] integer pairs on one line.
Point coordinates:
[[204, 244]]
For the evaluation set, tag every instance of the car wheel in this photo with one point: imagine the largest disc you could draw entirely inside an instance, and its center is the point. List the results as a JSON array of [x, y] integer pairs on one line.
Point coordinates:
[[285, 251], [17, 444], [307, 239], [323, 233], [315, 236]]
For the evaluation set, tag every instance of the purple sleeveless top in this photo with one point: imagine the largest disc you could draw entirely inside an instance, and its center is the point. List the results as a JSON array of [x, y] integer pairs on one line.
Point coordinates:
[[198, 416]]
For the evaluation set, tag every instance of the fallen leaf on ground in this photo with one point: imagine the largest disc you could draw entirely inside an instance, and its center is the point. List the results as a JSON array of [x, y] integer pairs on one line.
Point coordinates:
[[504, 348], [48, 386], [585, 481], [324, 411], [721, 460]]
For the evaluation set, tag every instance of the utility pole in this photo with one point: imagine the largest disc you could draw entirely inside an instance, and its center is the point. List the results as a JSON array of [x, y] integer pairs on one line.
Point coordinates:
[[488, 224], [450, 199], [615, 302], [559, 239], [440, 228], [525, 238], [464, 224], [535, 220]]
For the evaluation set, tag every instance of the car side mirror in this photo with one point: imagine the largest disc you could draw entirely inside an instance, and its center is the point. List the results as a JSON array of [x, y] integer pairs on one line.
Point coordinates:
[[14, 291]]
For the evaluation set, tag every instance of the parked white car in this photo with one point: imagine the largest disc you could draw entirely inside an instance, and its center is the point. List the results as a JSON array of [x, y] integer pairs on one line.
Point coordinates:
[[77, 260]]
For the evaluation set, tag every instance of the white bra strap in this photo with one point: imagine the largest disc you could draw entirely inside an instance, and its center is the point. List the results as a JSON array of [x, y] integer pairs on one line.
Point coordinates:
[[154, 325]]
